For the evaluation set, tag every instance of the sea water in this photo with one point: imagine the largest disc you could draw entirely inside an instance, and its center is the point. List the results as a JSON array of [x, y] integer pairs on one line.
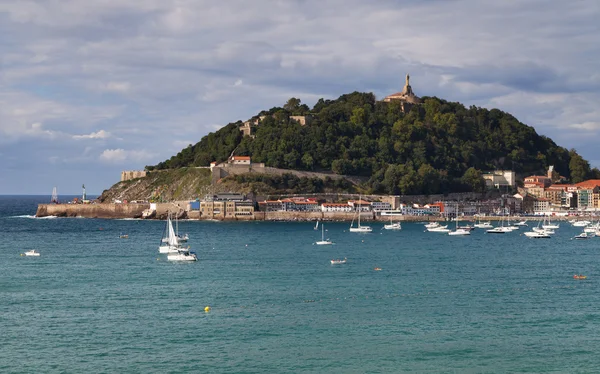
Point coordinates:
[[93, 302]]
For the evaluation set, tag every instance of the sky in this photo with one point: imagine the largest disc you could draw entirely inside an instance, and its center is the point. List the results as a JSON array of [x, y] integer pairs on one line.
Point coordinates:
[[91, 88]]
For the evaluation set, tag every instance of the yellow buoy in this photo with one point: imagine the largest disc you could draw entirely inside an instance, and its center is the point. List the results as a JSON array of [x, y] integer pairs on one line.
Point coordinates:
[[207, 309]]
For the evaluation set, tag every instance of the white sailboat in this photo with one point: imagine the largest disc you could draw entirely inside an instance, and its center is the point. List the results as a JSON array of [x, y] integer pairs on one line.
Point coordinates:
[[359, 227], [550, 225], [317, 225], [180, 238], [323, 241], [170, 241], [459, 231], [392, 225]]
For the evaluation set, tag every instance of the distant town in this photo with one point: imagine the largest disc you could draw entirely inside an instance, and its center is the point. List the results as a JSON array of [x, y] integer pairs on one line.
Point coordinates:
[[538, 196]]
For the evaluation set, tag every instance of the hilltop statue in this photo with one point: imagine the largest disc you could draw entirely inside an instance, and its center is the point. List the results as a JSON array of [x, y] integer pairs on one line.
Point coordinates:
[[407, 97]]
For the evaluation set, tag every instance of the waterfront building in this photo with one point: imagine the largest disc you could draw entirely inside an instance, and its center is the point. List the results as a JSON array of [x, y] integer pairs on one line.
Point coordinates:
[[226, 209], [361, 205], [378, 206], [335, 207], [540, 205], [271, 206]]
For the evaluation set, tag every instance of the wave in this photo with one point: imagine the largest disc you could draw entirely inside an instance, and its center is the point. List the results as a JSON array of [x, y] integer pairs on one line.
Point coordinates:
[[33, 217]]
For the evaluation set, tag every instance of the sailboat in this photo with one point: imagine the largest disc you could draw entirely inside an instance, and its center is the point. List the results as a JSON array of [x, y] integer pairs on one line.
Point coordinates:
[[317, 225], [392, 225], [549, 224], [180, 238], [169, 242], [459, 231], [359, 227], [323, 241]]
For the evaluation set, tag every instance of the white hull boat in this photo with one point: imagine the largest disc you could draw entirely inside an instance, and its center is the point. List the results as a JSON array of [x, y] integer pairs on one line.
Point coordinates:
[[168, 249], [392, 225], [459, 232], [338, 262], [498, 230], [547, 231], [323, 241], [580, 223], [439, 229], [484, 225], [537, 235], [359, 228], [182, 255], [32, 253]]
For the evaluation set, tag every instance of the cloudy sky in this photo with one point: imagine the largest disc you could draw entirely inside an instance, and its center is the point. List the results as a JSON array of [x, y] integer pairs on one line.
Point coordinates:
[[90, 88]]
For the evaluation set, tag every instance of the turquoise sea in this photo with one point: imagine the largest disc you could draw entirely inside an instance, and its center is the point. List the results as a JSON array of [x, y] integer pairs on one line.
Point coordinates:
[[481, 304]]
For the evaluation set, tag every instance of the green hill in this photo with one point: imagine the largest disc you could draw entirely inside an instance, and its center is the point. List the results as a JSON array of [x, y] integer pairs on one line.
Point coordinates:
[[437, 147]]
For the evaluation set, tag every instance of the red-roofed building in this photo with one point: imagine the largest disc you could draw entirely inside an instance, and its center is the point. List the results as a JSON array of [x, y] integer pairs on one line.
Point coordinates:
[[537, 181], [240, 160]]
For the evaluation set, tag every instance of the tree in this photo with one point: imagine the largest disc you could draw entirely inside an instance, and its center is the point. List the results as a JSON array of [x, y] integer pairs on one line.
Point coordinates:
[[292, 104], [580, 168], [308, 161], [473, 180]]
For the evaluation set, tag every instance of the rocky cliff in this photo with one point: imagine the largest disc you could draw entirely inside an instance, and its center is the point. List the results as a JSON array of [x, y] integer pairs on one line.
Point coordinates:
[[164, 185]]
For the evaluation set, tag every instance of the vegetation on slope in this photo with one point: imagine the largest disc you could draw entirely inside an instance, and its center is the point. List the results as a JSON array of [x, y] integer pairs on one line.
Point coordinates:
[[437, 147], [164, 185]]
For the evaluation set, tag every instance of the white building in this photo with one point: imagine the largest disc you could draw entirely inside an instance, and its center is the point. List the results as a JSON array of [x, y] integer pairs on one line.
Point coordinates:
[[378, 206], [499, 178], [541, 206], [332, 207]]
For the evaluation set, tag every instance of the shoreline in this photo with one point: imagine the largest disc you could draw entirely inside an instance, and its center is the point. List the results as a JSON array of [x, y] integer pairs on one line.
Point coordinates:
[[135, 211]]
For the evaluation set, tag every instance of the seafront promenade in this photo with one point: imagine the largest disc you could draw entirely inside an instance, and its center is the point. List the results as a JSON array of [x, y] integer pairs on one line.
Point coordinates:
[[132, 211]]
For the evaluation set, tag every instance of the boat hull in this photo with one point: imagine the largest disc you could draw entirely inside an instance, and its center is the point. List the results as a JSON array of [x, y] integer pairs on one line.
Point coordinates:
[[324, 242], [361, 229], [167, 249], [182, 257]]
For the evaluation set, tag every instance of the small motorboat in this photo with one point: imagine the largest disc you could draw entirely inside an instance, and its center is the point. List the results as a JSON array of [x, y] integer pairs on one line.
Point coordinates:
[[183, 254], [338, 261], [459, 232], [583, 235], [537, 234], [377, 269], [32, 253], [123, 236], [579, 276]]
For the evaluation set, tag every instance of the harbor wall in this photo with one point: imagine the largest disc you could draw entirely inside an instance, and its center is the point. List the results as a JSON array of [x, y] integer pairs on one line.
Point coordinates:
[[92, 210]]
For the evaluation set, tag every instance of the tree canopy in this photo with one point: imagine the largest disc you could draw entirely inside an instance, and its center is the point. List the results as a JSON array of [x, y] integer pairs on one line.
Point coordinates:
[[437, 147]]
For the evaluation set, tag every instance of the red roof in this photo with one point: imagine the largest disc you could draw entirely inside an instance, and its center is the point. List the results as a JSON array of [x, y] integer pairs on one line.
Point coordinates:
[[240, 158], [588, 184]]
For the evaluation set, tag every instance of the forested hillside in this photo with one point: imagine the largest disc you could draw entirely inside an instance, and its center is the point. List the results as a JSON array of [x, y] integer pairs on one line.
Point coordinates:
[[437, 147]]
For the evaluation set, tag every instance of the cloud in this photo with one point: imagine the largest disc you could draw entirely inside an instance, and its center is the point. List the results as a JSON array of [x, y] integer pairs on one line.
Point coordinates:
[[161, 71], [95, 135], [120, 155]]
